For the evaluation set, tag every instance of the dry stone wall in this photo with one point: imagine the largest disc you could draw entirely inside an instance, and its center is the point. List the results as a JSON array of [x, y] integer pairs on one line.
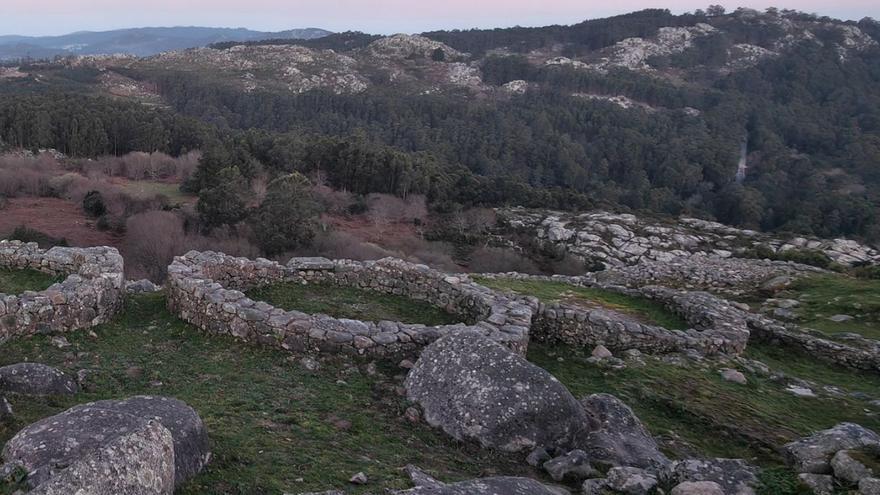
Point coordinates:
[[206, 289], [91, 293], [716, 326]]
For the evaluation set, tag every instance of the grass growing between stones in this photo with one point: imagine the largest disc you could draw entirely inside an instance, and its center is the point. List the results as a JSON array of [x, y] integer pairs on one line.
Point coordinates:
[[274, 426], [823, 297], [348, 302], [14, 281], [647, 311], [696, 412]]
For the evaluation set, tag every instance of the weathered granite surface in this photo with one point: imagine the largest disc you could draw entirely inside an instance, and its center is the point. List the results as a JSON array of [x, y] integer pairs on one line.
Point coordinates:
[[91, 294], [205, 289], [614, 239]]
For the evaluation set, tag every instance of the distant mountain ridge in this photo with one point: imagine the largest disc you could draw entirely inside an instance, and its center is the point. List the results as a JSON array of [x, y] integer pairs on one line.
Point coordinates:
[[141, 42]]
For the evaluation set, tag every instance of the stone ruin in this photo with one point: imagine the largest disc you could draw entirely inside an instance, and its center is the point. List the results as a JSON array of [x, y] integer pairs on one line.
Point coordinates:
[[91, 293], [206, 290]]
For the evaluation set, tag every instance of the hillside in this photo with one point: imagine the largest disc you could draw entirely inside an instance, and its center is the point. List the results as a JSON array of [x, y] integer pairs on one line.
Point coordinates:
[[764, 120], [139, 41]]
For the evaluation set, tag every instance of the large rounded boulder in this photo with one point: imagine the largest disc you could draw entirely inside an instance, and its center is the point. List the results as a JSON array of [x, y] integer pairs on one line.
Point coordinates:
[[140, 462], [46, 448], [36, 379], [476, 389], [621, 439]]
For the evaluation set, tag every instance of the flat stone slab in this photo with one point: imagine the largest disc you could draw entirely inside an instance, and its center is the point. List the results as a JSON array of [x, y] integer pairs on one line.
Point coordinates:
[[310, 263]]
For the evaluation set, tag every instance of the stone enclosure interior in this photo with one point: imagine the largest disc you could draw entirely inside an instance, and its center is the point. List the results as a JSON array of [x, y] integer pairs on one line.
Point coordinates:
[[90, 294]]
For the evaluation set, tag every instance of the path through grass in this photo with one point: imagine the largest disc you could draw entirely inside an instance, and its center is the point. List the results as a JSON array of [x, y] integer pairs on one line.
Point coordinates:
[[647, 311], [348, 302], [18, 281], [274, 426]]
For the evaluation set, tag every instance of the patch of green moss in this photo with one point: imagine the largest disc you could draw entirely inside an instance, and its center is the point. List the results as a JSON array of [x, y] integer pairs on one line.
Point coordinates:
[[824, 296], [348, 302], [14, 281], [549, 292]]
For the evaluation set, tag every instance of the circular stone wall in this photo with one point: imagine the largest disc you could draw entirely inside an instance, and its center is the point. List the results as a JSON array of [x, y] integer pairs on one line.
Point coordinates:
[[91, 293], [716, 326], [206, 290]]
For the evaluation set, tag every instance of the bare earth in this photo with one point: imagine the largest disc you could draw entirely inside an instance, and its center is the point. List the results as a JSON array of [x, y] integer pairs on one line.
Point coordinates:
[[56, 217]]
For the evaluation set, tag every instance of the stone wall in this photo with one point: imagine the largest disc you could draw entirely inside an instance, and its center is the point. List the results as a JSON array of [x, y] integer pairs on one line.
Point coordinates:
[[206, 289], [91, 293], [717, 327]]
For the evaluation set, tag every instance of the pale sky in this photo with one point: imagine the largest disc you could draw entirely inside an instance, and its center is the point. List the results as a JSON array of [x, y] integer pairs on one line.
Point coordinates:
[[46, 17]]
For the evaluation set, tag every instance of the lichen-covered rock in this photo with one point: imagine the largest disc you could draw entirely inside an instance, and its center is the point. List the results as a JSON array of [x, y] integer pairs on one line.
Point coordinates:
[[697, 488], [36, 379], [191, 448], [819, 484], [735, 476], [573, 465], [63, 439], [502, 485], [813, 454], [476, 389], [620, 439], [631, 481], [141, 287], [848, 469], [139, 462]]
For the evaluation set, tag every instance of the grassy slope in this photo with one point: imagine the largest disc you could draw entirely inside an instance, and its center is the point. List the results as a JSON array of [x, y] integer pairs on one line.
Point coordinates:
[[18, 281], [271, 423], [347, 302], [825, 296], [553, 292]]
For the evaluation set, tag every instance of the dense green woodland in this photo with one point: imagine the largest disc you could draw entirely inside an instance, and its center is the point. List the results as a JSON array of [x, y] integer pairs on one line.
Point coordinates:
[[811, 121]]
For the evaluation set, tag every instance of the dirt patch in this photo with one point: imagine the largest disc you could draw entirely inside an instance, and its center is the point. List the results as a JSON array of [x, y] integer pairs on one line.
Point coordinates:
[[56, 217]]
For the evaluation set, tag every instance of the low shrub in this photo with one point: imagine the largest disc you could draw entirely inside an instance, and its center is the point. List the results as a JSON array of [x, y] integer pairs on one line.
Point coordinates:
[[44, 240]]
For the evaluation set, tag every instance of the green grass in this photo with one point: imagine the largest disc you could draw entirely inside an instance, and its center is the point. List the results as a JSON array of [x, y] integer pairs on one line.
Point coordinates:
[[271, 423], [645, 310], [822, 297], [348, 302], [148, 189], [17, 281], [697, 412]]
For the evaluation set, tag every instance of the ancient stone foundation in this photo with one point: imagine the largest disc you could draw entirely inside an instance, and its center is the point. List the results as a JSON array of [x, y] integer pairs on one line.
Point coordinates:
[[205, 289], [91, 293], [716, 326]]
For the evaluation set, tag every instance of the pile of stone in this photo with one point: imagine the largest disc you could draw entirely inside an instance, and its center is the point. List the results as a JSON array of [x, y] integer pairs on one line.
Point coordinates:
[[205, 289], [614, 240], [91, 293], [138, 446], [846, 457], [477, 390]]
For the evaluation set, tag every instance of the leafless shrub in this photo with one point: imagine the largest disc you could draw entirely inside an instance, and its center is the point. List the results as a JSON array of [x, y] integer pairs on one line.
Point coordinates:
[[499, 260], [151, 242], [384, 209]]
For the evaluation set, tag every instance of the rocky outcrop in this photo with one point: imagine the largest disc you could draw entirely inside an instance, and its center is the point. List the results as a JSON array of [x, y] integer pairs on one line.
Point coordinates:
[[205, 289], [89, 435], [813, 454], [91, 293], [475, 389], [425, 485], [620, 439], [733, 476], [614, 240], [36, 379]]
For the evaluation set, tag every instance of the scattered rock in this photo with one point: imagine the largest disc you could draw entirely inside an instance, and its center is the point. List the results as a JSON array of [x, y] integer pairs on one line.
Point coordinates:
[[601, 352], [841, 318], [485, 486], [631, 481], [575, 466], [819, 484], [813, 454], [848, 469], [474, 388], [869, 486], [359, 479], [141, 287], [734, 376], [735, 476], [619, 439], [412, 415], [800, 391], [36, 379], [538, 457], [697, 488], [407, 364], [59, 342], [310, 364]]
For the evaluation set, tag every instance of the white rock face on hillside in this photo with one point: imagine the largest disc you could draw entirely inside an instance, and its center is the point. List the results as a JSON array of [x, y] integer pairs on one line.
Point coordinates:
[[633, 53], [403, 46]]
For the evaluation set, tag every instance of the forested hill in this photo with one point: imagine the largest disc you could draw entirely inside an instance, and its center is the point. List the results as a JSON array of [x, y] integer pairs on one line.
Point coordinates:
[[649, 111]]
